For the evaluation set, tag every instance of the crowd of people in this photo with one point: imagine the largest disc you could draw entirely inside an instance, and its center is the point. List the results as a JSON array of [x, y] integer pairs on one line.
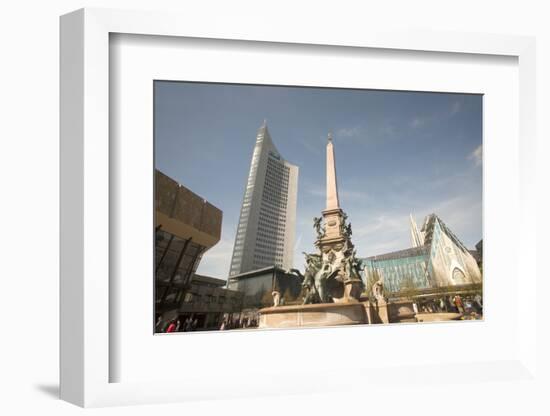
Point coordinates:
[[242, 323], [457, 304], [190, 324], [470, 306], [175, 325]]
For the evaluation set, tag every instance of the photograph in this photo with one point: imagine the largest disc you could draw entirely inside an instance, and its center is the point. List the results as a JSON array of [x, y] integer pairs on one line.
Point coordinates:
[[280, 207]]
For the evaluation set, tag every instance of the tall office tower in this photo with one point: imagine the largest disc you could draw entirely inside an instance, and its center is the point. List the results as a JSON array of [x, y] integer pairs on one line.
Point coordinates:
[[265, 234]]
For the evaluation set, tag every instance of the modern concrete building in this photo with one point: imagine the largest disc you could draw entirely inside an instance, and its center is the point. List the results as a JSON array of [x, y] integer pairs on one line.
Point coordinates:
[[207, 302], [257, 286], [438, 259], [265, 233], [186, 226]]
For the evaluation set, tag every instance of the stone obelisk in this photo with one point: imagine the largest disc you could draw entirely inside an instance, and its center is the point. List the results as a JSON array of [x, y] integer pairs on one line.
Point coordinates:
[[337, 250], [332, 185], [332, 215]]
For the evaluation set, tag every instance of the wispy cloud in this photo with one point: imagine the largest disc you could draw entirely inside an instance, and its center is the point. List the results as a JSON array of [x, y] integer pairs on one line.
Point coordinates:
[[441, 114], [317, 191], [463, 215], [352, 195], [418, 122], [386, 231], [378, 130], [387, 129], [477, 155], [382, 233], [383, 222], [348, 132], [315, 145]]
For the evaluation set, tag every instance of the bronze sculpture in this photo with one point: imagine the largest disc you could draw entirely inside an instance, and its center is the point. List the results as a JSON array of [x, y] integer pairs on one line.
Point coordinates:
[[328, 273]]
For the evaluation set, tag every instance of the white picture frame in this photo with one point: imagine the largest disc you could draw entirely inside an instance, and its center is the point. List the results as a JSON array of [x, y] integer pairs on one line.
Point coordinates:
[[86, 263]]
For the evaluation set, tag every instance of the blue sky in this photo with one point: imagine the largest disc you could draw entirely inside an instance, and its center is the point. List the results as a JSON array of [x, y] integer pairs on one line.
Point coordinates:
[[396, 153]]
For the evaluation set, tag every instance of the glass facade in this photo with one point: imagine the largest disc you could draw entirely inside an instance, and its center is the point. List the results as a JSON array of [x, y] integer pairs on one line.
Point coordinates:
[[401, 270], [176, 261], [238, 248], [268, 250]]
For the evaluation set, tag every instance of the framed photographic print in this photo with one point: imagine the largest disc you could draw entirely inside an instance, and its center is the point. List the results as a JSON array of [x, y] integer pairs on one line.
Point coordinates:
[[282, 213]]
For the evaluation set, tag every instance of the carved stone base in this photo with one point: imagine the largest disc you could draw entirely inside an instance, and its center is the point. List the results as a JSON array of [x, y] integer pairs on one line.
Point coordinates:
[[379, 313], [437, 317], [315, 315], [352, 292]]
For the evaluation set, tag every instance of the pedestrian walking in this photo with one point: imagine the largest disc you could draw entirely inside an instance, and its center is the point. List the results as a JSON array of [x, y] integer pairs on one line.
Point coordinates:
[[171, 327], [478, 301], [458, 303], [188, 324], [158, 325]]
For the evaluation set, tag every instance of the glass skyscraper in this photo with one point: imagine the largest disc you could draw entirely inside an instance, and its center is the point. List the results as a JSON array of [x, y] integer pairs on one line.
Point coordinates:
[[265, 234]]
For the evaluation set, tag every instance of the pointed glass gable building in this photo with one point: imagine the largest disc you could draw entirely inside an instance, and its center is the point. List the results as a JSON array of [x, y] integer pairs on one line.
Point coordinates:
[[265, 234], [437, 258]]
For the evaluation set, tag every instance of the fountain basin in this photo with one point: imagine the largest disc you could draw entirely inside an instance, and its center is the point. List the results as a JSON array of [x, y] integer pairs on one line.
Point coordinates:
[[437, 317], [313, 315]]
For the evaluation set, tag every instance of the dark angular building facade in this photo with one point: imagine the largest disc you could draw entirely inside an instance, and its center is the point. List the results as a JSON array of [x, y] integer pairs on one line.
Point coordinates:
[[186, 226]]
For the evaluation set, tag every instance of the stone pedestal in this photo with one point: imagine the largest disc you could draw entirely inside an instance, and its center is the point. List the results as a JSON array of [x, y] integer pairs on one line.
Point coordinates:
[[401, 311], [437, 317], [379, 313], [314, 315], [352, 291], [334, 222], [383, 313]]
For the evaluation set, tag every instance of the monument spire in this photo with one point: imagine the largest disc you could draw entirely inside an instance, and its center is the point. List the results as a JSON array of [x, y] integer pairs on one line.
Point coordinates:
[[416, 237], [332, 186]]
